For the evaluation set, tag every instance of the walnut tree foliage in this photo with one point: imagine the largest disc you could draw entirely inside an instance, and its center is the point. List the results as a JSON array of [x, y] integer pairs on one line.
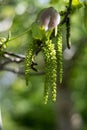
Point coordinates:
[[51, 46], [46, 36]]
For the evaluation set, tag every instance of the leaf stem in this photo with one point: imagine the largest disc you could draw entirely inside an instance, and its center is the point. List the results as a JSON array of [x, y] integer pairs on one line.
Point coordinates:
[[26, 31]]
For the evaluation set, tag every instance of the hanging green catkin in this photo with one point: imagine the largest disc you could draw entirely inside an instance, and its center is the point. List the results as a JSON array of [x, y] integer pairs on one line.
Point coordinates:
[[28, 61], [58, 46], [59, 56], [68, 33], [47, 74], [50, 69], [46, 88]]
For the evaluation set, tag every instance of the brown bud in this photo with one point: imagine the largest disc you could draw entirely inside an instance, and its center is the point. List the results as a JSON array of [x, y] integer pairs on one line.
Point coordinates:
[[49, 18]]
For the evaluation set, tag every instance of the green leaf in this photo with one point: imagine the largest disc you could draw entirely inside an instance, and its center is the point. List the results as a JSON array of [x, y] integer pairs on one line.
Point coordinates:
[[76, 3], [37, 31], [2, 42]]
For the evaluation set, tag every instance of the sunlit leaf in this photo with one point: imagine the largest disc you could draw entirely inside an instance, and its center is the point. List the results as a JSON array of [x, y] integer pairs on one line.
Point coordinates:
[[76, 3]]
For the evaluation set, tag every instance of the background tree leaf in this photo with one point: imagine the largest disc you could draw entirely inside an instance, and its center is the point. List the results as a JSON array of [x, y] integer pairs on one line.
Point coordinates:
[[85, 16]]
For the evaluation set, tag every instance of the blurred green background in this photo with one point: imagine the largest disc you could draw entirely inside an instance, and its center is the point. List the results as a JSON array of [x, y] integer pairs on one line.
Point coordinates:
[[22, 106]]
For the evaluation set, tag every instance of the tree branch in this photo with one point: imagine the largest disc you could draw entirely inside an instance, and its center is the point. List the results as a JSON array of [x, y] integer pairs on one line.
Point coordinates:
[[19, 72], [13, 57], [68, 11], [10, 57]]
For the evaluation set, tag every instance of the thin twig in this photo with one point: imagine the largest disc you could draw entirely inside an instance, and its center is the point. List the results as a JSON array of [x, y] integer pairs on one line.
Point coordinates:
[[11, 57], [13, 54], [25, 32], [15, 71], [19, 72]]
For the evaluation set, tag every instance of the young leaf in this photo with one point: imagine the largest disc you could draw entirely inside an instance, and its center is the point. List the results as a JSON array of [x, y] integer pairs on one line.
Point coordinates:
[[77, 3], [37, 31], [2, 42]]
